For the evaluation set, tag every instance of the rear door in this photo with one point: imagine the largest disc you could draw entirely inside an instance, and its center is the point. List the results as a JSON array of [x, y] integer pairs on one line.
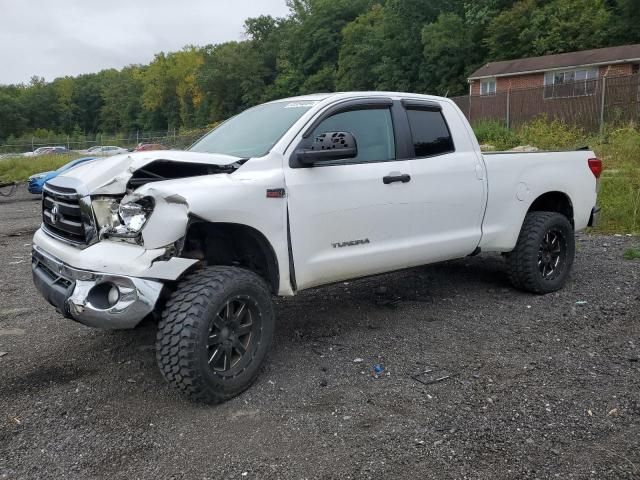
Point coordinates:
[[345, 221], [448, 193]]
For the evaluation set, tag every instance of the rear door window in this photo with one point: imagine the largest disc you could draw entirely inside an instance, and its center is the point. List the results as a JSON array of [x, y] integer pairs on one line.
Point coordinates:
[[429, 132]]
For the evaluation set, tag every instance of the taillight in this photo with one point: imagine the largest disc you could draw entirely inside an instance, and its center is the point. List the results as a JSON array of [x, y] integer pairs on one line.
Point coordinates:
[[595, 165]]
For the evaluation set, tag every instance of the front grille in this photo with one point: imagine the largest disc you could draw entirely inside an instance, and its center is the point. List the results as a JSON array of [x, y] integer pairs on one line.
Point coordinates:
[[62, 214], [55, 278]]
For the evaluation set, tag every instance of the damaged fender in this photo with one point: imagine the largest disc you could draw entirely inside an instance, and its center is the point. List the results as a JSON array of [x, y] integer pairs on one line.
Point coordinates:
[[168, 221]]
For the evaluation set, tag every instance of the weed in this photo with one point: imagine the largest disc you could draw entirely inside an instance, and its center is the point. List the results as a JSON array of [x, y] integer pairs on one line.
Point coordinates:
[[632, 254], [551, 135], [17, 169], [496, 134]]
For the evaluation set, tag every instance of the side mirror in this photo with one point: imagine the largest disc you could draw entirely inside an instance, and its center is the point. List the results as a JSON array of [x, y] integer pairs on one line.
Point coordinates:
[[329, 146]]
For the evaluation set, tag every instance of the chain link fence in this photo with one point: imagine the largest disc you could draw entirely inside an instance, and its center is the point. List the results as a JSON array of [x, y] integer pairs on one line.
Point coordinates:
[[81, 144], [589, 104]]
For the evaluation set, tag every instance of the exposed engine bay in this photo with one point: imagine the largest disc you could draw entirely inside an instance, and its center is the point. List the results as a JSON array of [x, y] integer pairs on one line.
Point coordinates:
[[160, 170]]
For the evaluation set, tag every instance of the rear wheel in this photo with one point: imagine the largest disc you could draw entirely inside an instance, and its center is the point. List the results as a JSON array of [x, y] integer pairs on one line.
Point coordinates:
[[215, 333], [543, 257]]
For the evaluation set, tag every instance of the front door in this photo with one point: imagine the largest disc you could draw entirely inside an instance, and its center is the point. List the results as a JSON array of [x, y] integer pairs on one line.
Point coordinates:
[[345, 221]]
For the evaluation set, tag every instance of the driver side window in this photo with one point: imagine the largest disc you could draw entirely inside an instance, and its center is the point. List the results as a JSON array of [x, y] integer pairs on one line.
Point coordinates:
[[372, 128]]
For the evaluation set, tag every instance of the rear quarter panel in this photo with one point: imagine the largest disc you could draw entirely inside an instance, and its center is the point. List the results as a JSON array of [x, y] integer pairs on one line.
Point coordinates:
[[516, 180]]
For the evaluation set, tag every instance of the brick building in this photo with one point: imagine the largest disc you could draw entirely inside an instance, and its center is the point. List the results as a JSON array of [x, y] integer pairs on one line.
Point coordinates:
[[565, 75]]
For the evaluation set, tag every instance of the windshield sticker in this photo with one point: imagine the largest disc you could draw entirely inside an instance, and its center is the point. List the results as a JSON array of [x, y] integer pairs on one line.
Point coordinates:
[[300, 104]]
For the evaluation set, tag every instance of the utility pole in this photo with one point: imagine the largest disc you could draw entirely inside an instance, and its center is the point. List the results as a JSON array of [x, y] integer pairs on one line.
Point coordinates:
[[509, 108], [602, 103]]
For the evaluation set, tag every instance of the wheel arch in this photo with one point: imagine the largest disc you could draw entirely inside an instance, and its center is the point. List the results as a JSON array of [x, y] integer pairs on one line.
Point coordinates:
[[554, 201], [232, 244]]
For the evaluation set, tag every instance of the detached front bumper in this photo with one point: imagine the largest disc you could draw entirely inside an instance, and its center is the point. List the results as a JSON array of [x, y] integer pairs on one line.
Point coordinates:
[[88, 297]]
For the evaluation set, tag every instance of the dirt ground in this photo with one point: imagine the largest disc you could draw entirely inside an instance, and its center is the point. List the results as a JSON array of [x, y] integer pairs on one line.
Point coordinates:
[[481, 381]]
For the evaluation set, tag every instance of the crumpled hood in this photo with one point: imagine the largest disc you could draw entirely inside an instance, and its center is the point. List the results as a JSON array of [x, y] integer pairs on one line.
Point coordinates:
[[110, 175]]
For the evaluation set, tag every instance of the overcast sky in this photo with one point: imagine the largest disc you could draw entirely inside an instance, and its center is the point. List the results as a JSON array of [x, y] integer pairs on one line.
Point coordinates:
[[53, 38]]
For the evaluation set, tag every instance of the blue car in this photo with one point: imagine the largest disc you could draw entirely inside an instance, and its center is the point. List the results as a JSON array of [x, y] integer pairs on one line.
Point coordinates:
[[37, 181]]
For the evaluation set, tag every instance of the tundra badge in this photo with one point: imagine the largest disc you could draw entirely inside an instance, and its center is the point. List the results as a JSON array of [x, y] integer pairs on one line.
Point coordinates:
[[352, 243]]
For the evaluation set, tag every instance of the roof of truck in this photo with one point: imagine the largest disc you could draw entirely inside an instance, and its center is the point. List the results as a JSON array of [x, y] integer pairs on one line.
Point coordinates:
[[317, 97]]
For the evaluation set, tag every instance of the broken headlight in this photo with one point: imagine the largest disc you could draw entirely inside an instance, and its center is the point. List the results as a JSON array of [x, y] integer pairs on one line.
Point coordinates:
[[134, 214], [122, 218], [105, 210]]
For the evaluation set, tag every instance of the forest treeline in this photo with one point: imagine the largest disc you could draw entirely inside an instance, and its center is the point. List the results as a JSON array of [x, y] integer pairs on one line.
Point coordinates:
[[321, 45]]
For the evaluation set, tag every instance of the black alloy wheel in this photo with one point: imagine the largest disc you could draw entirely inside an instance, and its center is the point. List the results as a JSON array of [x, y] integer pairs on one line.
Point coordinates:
[[543, 256], [231, 332], [551, 254]]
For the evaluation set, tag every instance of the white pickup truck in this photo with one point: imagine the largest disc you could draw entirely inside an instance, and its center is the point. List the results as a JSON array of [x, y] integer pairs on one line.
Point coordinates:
[[291, 195]]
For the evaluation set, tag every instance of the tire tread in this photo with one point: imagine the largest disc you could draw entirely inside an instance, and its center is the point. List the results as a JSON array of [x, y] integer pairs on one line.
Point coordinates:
[[523, 273], [176, 340]]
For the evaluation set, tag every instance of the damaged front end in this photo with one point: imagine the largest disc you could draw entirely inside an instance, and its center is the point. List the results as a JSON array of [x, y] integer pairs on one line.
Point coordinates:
[[148, 219], [131, 218], [122, 218], [128, 208], [113, 277]]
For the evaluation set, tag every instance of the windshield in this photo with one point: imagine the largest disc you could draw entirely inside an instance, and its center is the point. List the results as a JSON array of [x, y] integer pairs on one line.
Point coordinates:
[[254, 132]]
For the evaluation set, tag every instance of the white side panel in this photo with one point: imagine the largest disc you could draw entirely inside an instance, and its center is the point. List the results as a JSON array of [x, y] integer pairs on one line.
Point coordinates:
[[346, 203], [516, 180], [448, 198]]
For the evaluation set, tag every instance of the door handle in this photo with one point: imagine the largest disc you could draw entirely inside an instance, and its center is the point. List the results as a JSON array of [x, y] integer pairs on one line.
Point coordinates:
[[404, 178]]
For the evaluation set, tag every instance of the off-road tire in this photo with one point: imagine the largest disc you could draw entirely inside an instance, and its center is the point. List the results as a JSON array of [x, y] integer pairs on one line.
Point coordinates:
[[522, 263], [184, 333]]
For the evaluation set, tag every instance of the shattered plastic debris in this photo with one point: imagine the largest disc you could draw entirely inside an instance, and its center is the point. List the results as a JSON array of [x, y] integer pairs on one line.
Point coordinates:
[[378, 370]]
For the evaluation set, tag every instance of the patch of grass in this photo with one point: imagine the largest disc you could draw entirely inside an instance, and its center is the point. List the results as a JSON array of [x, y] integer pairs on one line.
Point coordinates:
[[632, 254], [551, 135], [18, 169], [619, 196], [496, 134], [618, 147]]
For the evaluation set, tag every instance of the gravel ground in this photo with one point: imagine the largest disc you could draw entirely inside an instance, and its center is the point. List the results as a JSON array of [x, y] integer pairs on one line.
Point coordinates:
[[529, 386]]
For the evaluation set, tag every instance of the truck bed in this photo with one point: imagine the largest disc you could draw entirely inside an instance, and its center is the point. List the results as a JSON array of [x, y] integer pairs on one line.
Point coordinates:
[[524, 176]]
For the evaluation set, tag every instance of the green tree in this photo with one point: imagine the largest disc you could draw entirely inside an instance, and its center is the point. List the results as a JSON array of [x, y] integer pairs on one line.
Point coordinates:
[[362, 51], [313, 44], [231, 79], [625, 22], [447, 46], [121, 96], [64, 88], [534, 28], [13, 121]]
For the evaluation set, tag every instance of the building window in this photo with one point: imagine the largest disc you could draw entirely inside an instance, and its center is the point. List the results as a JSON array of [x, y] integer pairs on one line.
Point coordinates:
[[570, 83], [488, 87]]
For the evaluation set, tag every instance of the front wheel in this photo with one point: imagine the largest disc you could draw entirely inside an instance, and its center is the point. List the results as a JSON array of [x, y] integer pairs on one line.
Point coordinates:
[[215, 333], [543, 257]]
